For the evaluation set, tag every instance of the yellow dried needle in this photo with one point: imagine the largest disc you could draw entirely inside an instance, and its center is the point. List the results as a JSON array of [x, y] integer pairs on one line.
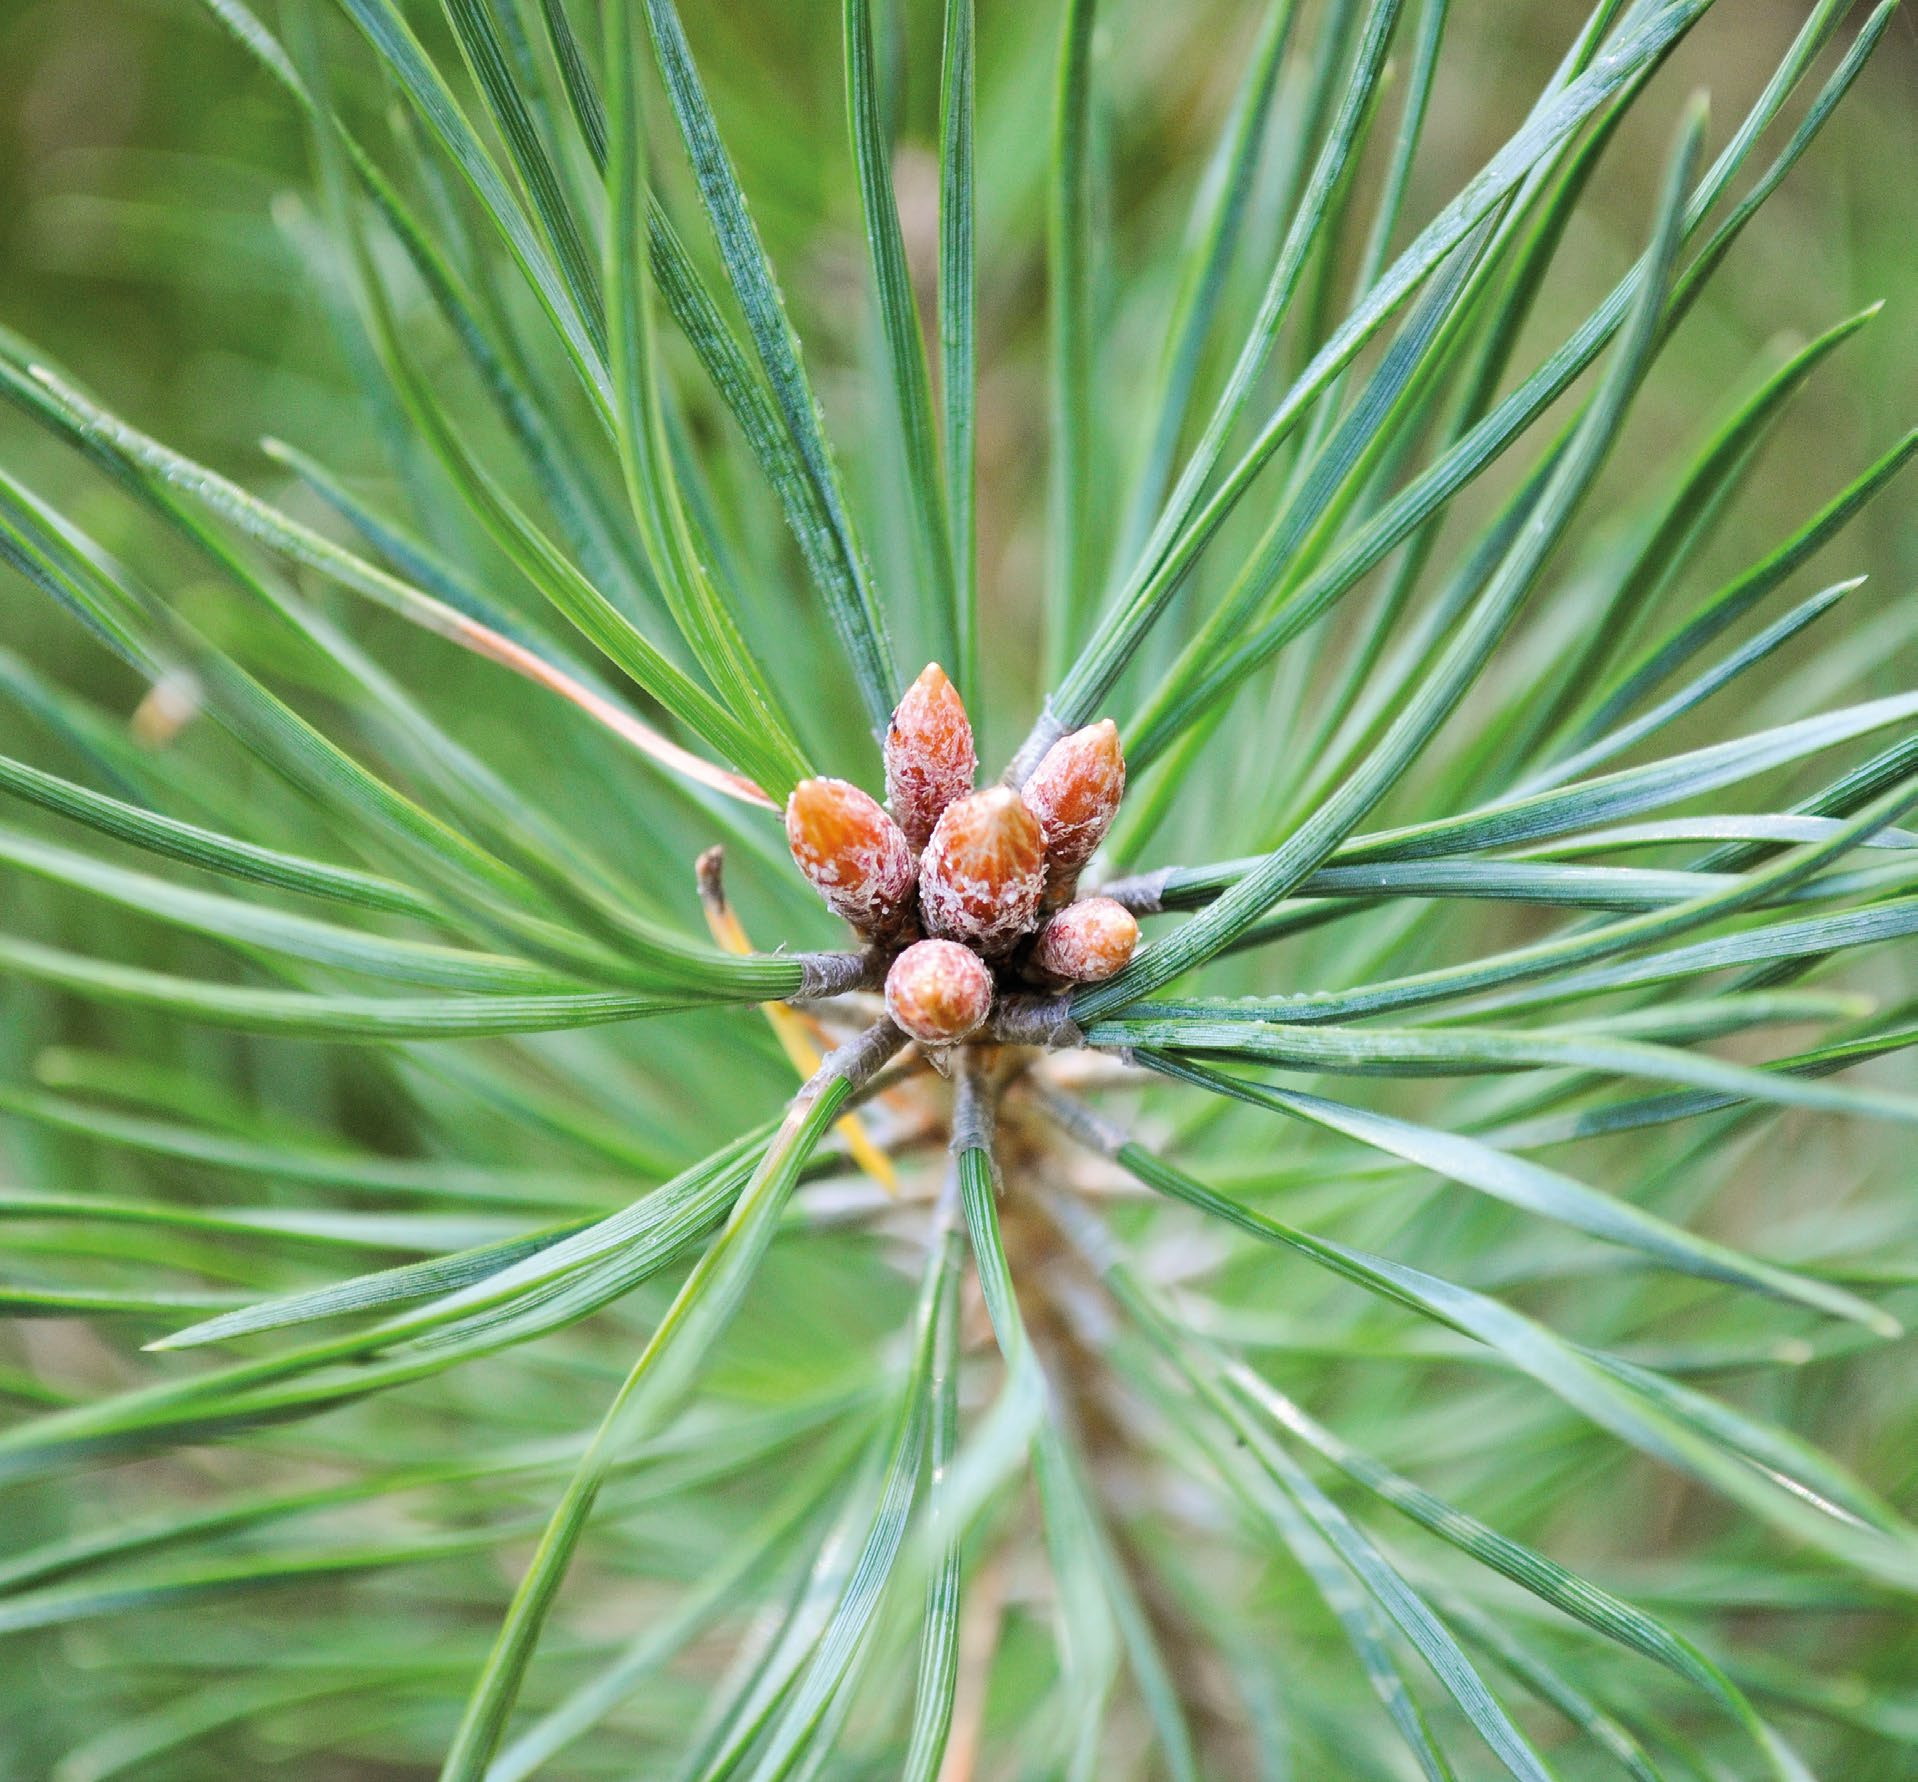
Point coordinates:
[[794, 1030]]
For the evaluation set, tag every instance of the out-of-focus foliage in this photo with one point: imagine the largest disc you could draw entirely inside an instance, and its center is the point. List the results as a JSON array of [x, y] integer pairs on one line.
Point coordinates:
[[1642, 1303]]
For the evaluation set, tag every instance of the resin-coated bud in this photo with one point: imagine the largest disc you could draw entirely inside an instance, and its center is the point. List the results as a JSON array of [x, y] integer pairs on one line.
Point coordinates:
[[984, 871], [854, 854], [1086, 942], [930, 758], [1075, 793], [939, 992]]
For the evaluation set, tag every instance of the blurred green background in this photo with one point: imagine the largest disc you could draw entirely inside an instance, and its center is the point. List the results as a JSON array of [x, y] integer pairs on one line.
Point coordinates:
[[146, 167], [150, 210]]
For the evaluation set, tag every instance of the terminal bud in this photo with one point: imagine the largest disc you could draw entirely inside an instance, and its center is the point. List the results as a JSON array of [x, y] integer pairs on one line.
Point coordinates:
[[930, 758], [984, 871]]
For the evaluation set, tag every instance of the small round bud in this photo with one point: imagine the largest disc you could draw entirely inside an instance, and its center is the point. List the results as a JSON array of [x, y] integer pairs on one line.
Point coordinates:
[[1087, 941], [853, 853], [1075, 793], [930, 758], [984, 871], [938, 991]]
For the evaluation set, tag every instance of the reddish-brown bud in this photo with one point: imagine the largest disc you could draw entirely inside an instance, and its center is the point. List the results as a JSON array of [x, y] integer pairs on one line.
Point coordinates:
[[1075, 793], [938, 991], [1086, 942], [930, 758], [984, 871], [853, 853]]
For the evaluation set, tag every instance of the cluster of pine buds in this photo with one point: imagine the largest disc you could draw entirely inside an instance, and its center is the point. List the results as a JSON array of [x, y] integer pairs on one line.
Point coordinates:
[[967, 889]]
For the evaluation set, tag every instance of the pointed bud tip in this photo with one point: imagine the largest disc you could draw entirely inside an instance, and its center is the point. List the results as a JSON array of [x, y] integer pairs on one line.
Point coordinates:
[[930, 755], [1075, 791], [1000, 805], [938, 992]]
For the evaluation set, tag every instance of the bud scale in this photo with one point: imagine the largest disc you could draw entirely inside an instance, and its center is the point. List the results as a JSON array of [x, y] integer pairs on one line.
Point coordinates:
[[984, 871], [853, 853], [1086, 942], [930, 758], [1075, 792], [938, 992]]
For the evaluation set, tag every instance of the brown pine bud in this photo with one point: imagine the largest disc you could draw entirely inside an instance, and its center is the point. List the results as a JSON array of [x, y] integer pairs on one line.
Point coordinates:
[[930, 759], [1075, 793], [1086, 942], [938, 991], [853, 853], [984, 871]]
